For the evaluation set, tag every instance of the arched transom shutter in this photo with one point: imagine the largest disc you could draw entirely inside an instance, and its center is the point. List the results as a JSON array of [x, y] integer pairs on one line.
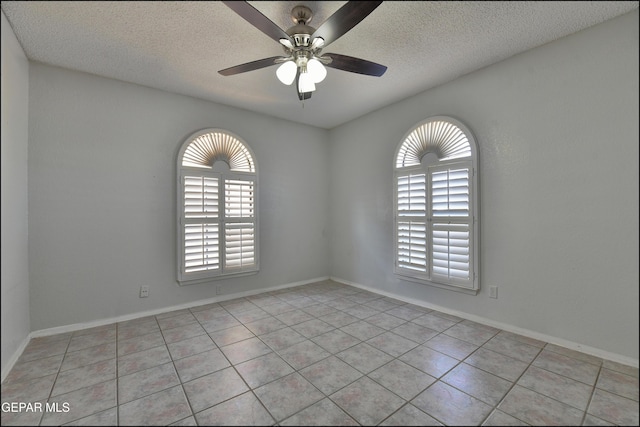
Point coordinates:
[[441, 137], [204, 150], [217, 207], [436, 205]]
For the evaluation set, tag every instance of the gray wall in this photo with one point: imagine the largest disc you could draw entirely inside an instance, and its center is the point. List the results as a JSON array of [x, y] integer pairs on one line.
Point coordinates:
[[557, 129], [15, 273], [102, 196]]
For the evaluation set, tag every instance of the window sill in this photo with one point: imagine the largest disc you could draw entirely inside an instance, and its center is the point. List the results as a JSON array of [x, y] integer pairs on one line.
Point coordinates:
[[197, 281], [450, 287]]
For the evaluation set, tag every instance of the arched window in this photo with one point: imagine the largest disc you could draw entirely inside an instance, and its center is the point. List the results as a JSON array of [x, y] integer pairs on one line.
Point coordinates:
[[217, 207], [436, 205]]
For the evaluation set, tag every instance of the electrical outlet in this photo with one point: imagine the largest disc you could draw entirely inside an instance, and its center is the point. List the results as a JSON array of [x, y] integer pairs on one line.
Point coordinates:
[[218, 290], [493, 292], [144, 291]]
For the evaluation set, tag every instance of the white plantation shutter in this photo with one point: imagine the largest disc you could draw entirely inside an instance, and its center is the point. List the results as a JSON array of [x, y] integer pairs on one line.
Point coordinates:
[[411, 224], [412, 195], [238, 198], [451, 251], [452, 222], [239, 226], [208, 147], [201, 197], [201, 237], [436, 206], [450, 193], [202, 247], [239, 244], [218, 209], [412, 245], [441, 137]]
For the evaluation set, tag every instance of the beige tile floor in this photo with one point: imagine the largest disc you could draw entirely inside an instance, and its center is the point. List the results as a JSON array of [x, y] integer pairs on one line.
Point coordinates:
[[318, 354]]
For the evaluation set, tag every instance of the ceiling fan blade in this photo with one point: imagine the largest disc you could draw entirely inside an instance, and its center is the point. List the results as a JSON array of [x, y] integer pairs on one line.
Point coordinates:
[[250, 66], [355, 65], [347, 17], [258, 20]]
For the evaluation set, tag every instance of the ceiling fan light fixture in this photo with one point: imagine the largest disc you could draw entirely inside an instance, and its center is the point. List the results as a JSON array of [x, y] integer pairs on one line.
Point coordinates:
[[317, 71], [317, 43], [286, 43], [286, 72], [305, 83]]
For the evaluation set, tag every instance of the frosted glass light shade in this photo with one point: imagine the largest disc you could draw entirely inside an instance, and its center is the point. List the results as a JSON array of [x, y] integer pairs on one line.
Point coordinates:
[[316, 70], [305, 83], [287, 72]]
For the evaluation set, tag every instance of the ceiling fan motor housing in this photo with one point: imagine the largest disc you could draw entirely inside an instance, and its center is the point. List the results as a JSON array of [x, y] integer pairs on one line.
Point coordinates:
[[300, 39], [301, 32], [303, 48]]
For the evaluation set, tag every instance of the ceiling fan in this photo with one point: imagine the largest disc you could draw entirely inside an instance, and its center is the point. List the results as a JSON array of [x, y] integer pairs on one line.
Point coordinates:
[[304, 61]]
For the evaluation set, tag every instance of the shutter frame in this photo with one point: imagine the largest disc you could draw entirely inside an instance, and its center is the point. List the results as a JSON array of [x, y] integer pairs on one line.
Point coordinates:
[[452, 216], [210, 203]]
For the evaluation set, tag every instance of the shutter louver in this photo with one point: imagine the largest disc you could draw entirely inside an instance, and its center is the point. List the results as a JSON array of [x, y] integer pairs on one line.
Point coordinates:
[[239, 245], [412, 195], [412, 245], [201, 247], [200, 197], [239, 199], [450, 193], [451, 251]]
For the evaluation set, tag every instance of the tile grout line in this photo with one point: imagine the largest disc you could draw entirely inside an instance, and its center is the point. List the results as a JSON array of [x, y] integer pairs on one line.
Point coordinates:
[[173, 363], [515, 382], [250, 389], [56, 378], [593, 392]]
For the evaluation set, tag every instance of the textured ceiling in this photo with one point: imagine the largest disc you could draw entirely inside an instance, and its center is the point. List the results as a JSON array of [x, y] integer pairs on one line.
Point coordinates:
[[180, 46]]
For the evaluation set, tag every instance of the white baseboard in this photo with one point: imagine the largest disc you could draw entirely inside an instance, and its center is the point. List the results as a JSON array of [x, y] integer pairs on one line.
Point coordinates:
[[504, 326], [14, 358], [101, 322]]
